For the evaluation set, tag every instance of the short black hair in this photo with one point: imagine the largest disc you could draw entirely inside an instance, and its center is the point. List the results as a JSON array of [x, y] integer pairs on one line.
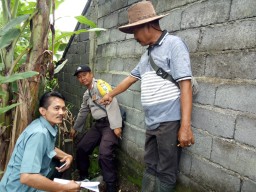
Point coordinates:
[[44, 100]]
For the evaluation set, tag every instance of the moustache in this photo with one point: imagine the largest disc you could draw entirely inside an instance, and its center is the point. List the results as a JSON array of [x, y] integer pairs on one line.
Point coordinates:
[[61, 116]]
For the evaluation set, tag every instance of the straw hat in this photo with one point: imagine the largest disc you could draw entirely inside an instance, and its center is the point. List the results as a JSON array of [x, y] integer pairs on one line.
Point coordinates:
[[140, 13]]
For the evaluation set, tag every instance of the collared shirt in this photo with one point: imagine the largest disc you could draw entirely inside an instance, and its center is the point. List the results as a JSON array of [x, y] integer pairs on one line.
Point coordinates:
[[112, 111], [160, 97], [33, 153]]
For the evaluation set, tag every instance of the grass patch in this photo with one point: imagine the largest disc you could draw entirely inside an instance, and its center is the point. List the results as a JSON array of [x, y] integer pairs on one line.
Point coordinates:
[[94, 169]]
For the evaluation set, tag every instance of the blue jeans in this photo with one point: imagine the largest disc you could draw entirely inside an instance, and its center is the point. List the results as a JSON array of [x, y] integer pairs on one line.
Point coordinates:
[[161, 152]]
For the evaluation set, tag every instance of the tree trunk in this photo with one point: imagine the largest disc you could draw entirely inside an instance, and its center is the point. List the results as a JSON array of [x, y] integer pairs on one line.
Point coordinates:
[[37, 60], [5, 118]]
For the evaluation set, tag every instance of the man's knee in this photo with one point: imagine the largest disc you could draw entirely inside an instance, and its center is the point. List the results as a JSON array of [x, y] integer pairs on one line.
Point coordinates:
[[107, 148]]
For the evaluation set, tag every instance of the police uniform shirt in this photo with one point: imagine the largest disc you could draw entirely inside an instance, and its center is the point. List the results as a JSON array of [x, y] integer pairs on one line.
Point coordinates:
[[112, 111]]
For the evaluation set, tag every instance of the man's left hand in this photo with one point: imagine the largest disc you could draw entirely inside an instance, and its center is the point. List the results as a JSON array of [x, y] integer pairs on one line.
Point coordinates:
[[185, 137], [67, 160], [118, 132]]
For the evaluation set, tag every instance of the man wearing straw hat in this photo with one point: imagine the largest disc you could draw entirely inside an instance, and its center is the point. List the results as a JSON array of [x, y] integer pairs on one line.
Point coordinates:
[[167, 103]]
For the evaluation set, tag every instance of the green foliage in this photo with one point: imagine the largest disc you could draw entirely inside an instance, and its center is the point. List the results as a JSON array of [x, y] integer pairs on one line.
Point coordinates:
[[94, 169], [17, 76], [58, 3], [13, 23], [15, 38], [26, 7], [51, 84], [93, 27], [10, 79], [8, 38], [15, 34], [11, 31], [84, 20], [61, 38], [7, 108], [59, 67]]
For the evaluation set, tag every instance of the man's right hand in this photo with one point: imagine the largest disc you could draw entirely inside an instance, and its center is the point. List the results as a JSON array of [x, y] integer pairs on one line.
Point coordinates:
[[121, 87], [107, 99], [72, 133]]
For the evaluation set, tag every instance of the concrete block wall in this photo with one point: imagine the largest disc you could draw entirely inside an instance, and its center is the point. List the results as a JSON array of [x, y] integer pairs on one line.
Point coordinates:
[[221, 36]]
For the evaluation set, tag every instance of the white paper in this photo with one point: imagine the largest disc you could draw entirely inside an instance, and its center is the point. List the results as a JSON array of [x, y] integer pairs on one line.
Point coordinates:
[[93, 186]]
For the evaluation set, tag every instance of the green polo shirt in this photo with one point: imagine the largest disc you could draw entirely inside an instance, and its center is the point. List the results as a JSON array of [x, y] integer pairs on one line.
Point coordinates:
[[33, 153]]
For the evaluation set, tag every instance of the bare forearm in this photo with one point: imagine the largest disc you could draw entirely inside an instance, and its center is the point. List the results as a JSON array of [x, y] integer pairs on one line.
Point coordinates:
[[123, 86], [61, 154], [38, 181], [186, 104], [185, 134]]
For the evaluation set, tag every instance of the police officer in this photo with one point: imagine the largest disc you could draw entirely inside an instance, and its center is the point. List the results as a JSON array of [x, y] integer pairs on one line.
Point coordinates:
[[104, 132]]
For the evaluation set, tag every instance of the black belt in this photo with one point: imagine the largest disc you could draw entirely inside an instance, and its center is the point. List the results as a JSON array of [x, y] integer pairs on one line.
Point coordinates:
[[101, 120]]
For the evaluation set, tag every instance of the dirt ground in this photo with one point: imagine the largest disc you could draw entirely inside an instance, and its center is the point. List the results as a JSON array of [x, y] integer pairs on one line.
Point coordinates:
[[124, 186]]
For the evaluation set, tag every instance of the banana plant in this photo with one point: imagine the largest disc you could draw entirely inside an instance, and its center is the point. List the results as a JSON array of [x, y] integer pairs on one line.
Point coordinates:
[[26, 58], [10, 79]]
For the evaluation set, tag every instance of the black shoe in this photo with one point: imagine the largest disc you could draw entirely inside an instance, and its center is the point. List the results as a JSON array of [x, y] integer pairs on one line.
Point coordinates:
[[111, 187]]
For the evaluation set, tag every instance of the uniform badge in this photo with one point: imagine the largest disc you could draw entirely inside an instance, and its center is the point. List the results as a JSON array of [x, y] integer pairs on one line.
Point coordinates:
[[94, 97]]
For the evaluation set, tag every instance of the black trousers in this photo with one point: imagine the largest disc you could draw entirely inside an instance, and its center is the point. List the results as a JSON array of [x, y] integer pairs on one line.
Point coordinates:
[[161, 152], [54, 173], [103, 136]]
